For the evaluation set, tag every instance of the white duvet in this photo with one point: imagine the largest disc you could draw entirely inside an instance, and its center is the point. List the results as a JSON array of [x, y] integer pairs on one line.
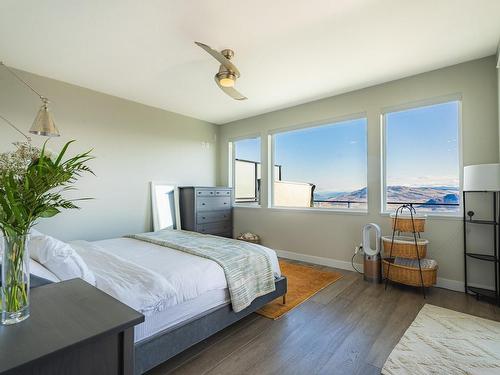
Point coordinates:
[[190, 275], [140, 288]]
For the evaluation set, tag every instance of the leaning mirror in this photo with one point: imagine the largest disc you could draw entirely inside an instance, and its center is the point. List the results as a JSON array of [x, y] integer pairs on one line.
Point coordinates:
[[165, 205]]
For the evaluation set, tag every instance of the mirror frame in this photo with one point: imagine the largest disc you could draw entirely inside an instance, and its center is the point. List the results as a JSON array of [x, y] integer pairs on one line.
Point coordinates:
[[154, 203]]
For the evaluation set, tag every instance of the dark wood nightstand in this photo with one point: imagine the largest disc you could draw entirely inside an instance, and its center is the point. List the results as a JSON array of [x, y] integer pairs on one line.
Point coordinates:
[[74, 328]]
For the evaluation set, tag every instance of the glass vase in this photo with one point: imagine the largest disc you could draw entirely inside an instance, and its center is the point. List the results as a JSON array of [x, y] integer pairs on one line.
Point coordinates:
[[15, 289]]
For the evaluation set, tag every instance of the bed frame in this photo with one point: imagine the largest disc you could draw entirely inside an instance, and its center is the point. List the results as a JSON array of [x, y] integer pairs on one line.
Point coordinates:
[[164, 345]]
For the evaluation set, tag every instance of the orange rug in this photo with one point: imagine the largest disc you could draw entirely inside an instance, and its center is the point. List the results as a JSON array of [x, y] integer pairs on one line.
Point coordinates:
[[303, 283]]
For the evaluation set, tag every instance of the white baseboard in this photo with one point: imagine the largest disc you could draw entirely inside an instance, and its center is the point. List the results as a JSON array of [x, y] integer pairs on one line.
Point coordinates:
[[322, 261], [459, 286], [343, 265], [455, 285]]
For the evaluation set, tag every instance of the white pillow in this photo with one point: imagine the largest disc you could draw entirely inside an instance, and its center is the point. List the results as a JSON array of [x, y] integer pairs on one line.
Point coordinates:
[[58, 257], [38, 270]]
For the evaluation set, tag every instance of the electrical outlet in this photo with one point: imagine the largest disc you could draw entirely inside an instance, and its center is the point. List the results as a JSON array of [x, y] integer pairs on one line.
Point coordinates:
[[358, 249]]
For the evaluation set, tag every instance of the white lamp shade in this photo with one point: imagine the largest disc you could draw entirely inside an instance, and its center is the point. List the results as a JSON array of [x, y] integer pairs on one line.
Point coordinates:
[[482, 177]]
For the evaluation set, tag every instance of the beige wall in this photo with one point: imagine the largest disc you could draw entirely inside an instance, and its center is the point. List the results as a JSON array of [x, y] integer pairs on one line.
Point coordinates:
[[332, 236], [498, 89], [133, 145]]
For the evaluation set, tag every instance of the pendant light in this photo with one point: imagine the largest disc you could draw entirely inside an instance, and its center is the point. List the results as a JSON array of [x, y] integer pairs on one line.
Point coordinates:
[[44, 122]]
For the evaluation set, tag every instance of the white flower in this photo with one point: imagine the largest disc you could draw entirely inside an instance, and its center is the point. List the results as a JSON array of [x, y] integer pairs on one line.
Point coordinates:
[[17, 161]]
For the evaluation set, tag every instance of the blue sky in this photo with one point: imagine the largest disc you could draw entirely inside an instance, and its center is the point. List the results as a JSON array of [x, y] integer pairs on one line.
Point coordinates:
[[248, 149], [421, 150], [422, 146], [332, 157]]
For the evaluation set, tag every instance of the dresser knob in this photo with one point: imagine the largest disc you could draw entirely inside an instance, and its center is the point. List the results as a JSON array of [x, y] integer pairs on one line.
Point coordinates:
[[203, 204]]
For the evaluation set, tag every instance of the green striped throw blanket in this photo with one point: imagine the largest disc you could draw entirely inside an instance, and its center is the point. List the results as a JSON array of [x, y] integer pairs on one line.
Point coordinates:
[[247, 267]]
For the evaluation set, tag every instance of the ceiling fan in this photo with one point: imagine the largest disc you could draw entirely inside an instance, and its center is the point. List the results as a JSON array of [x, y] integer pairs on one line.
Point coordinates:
[[228, 73]]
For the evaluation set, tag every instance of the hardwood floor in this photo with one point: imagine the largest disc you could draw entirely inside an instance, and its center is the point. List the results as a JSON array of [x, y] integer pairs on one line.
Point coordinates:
[[349, 327]]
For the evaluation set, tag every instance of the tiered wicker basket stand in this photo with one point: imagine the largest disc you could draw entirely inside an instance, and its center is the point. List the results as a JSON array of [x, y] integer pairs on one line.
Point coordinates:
[[412, 247]]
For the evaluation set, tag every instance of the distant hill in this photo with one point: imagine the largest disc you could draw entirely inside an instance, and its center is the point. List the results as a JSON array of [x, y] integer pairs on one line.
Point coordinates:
[[420, 194], [328, 195], [357, 196]]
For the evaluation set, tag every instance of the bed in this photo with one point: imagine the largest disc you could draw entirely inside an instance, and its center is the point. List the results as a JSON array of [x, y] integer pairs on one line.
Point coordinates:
[[199, 306]]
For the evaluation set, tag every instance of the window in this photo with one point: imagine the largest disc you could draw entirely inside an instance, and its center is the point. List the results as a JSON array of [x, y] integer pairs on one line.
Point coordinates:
[[422, 164], [246, 169], [321, 167]]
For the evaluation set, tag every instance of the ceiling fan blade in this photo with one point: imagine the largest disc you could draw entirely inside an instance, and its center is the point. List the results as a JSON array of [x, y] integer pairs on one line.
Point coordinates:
[[231, 91], [220, 58]]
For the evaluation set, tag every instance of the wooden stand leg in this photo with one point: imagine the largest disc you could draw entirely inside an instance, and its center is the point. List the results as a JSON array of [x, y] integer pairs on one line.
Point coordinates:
[[284, 299]]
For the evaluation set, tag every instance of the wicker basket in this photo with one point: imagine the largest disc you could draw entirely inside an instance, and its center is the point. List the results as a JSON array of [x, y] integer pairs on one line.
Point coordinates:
[[409, 275], [257, 241], [249, 237], [404, 223], [404, 247]]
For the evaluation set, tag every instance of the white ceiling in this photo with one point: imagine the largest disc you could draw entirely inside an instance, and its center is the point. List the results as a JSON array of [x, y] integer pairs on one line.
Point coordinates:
[[288, 51]]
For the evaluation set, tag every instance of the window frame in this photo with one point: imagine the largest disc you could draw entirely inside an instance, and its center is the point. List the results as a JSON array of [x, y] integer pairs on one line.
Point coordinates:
[[311, 125], [232, 168], [383, 149]]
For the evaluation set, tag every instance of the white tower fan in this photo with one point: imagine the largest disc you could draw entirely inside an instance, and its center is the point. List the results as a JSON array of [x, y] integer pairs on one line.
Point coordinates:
[[372, 262]]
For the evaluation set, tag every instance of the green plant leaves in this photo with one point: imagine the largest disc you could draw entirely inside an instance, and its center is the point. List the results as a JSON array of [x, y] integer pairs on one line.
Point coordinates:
[[37, 191], [49, 212]]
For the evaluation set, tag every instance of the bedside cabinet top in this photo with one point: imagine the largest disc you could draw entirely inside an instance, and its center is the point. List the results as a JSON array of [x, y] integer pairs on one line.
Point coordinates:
[[63, 314]]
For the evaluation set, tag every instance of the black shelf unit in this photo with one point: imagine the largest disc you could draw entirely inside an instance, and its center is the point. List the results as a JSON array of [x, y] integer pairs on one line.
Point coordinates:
[[484, 222], [489, 258], [489, 294]]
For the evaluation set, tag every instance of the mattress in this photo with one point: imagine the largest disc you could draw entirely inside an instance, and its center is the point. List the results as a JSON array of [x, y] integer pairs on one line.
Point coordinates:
[[176, 314]]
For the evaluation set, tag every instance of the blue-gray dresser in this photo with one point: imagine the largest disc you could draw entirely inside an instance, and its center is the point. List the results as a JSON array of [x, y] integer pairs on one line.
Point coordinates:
[[207, 210]]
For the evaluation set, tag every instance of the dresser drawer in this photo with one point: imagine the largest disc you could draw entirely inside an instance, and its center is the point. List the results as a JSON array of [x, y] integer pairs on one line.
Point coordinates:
[[213, 216], [213, 203], [222, 193], [224, 234], [215, 228], [205, 193]]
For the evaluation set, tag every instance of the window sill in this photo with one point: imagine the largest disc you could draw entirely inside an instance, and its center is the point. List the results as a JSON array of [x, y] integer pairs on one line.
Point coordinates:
[[242, 205], [320, 210], [454, 217], [306, 210]]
